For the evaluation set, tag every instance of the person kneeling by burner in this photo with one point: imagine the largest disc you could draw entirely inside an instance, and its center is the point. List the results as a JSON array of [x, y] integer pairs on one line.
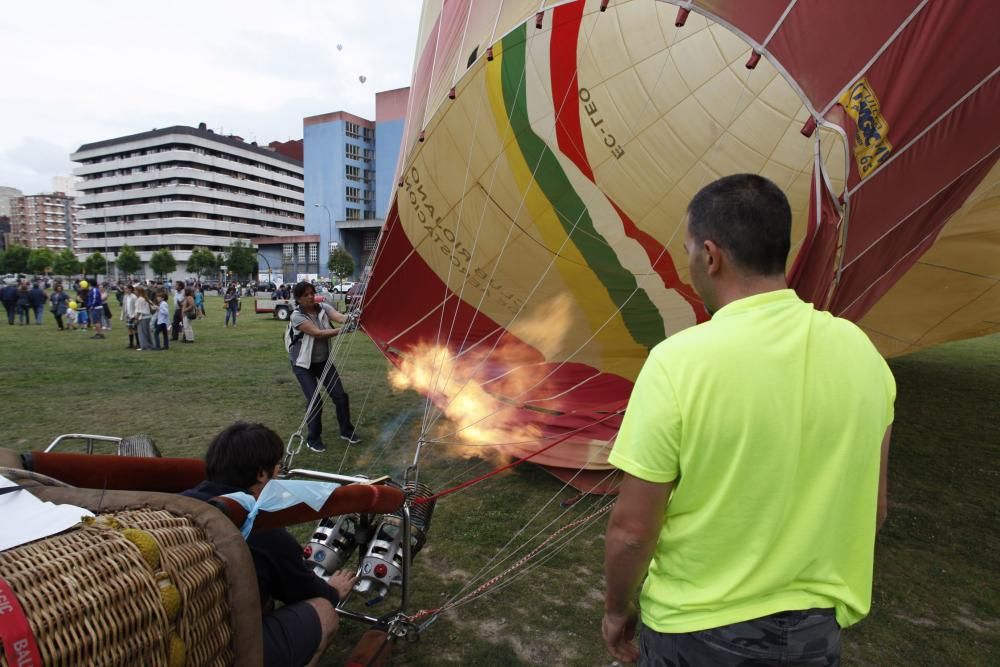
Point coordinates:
[[244, 457]]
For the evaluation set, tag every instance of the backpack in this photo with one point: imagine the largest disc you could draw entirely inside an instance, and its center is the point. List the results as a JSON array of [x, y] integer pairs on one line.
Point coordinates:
[[291, 336]]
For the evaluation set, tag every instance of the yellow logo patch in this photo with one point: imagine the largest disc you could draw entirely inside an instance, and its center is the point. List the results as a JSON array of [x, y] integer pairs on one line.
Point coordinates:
[[871, 141]]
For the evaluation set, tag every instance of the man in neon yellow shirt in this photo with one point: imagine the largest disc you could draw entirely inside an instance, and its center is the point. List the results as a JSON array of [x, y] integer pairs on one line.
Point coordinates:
[[754, 449]]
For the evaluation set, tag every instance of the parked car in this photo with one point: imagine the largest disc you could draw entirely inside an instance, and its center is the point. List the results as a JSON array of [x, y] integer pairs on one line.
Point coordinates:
[[344, 287], [280, 309]]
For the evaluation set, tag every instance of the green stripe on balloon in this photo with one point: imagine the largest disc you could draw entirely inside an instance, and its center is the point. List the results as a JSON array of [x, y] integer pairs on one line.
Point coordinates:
[[641, 317]]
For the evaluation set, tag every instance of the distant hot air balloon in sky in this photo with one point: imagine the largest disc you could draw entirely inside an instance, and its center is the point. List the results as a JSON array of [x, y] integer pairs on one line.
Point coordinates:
[[536, 237], [340, 47], [362, 78]]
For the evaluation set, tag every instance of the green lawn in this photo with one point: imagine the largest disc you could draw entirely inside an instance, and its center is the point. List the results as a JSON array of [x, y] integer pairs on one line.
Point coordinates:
[[936, 598]]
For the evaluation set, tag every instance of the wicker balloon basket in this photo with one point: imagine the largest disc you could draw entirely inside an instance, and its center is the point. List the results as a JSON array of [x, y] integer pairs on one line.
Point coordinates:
[[154, 579], [137, 587]]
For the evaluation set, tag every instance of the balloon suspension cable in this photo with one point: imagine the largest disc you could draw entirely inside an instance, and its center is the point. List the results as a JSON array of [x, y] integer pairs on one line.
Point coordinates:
[[292, 449], [521, 562]]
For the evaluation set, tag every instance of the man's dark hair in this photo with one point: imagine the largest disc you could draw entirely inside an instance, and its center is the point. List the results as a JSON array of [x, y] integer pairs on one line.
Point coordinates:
[[300, 288], [238, 454], [749, 217]]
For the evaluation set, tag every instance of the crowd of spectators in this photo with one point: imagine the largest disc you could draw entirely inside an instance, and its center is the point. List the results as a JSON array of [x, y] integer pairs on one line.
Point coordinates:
[[153, 313]]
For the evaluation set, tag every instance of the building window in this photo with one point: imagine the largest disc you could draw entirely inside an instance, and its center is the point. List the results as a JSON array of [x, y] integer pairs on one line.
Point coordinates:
[[369, 242], [353, 173], [369, 154], [353, 214], [288, 252], [353, 151], [353, 130], [353, 194]]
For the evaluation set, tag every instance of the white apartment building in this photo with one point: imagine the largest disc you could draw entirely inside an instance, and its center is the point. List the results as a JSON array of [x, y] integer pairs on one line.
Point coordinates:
[[180, 188]]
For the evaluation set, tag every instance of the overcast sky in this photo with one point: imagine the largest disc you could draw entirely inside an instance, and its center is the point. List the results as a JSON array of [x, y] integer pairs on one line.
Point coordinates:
[[77, 72]]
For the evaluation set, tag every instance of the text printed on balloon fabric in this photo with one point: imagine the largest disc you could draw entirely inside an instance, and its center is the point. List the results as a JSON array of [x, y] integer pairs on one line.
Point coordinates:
[[596, 121], [460, 256]]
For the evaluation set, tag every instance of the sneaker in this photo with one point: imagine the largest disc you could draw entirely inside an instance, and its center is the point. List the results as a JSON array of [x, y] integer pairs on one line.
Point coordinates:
[[351, 438], [317, 446], [98, 336]]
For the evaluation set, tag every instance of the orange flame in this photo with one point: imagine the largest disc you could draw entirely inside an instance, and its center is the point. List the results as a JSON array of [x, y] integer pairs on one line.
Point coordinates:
[[478, 391]]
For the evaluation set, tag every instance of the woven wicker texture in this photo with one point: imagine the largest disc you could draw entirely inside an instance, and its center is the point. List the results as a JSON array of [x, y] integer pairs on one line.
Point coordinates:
[[92, 599]]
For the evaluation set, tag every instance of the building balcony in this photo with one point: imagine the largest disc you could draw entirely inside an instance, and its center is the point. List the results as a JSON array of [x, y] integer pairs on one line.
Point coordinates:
[[179, 208], [177, 155], [194, 174], [167, 226], [124, 197]]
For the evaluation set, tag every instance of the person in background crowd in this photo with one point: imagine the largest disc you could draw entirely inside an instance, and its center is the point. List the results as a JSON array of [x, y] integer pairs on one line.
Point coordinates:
[[232, 303], [105, 308], [38, 298], [176, 325], [188, 312], [82, 314], [142, 316], [199, 300], [128, 314], [162, 319], [9, 297], [58, 305], [72, 315], [23, 303], [95, 309]]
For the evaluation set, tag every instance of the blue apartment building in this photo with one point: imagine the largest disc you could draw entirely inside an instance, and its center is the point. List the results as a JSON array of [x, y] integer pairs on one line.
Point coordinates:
[[349, 163]]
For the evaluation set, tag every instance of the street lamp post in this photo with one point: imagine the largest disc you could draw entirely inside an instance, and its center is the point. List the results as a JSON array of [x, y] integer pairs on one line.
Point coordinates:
[[329, 230]]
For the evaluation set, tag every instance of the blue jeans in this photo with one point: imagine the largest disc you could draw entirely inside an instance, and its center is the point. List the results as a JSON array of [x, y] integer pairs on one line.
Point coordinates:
[[309, 379], [162, 329]]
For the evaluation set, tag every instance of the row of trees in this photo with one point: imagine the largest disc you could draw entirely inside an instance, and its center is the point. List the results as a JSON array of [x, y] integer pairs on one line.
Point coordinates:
[[240, 259]]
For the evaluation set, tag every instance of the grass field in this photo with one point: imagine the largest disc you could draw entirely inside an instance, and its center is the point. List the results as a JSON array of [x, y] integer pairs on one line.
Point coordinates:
[[936, 597]]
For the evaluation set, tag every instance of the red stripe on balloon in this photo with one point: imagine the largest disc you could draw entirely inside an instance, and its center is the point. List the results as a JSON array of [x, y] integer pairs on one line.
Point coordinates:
[[565, 96]]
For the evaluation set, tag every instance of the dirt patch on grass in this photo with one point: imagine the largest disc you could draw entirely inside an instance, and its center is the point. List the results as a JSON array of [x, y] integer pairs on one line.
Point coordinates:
[[534, 648]]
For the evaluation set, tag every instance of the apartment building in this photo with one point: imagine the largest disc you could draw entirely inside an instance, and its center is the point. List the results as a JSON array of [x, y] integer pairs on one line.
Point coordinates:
[[349, 165], [181, 188], [44, 221]]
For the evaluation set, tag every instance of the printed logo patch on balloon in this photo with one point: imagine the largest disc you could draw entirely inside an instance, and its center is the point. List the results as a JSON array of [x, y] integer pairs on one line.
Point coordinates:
[[871, 141]]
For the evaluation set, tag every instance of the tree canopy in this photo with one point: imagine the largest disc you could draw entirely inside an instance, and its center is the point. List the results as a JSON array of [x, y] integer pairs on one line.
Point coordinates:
[[340, 263], [95, 264], [66, 263], [15, 259], [40, 260], [128, 261], [162, 262], [202, 262], [241, 259]]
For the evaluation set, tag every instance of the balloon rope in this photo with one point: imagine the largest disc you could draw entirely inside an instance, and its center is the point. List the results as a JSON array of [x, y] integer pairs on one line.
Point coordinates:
[[520, 563], [497, 471]]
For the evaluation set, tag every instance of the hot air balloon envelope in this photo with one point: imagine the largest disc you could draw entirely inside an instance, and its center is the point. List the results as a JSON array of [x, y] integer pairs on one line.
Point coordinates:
[[536, 238], [362, 78]]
